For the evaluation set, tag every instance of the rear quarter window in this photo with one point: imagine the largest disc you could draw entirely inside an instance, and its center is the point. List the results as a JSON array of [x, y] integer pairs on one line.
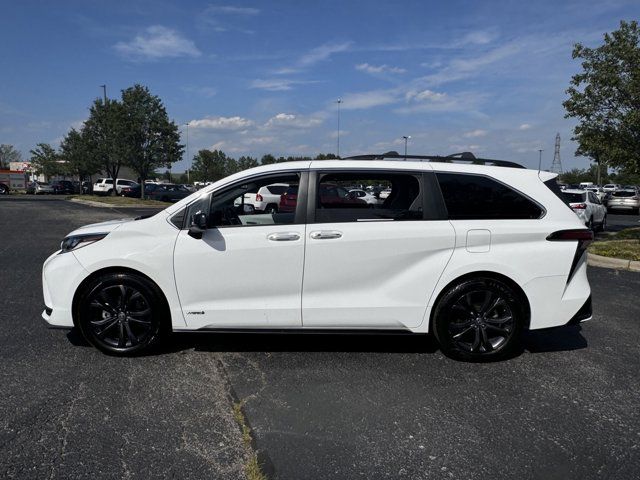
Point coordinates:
[[477, 197]]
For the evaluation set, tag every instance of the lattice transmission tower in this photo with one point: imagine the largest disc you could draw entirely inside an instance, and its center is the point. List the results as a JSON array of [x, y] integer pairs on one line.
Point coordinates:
[[556, 166]]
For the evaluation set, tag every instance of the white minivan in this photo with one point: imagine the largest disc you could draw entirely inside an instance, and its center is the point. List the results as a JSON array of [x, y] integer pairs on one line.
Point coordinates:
[[473, 251]]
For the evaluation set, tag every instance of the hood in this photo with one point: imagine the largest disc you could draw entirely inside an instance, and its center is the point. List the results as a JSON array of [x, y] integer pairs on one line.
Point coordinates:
[[102, 227]]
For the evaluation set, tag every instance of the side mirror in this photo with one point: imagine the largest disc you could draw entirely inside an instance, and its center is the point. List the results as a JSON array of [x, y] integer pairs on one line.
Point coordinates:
[[197, 225]]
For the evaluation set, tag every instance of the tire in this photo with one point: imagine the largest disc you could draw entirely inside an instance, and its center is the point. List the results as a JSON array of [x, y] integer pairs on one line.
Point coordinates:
[[590, 224], [271, 209], [122, 314], [603, 225], [479, 319]]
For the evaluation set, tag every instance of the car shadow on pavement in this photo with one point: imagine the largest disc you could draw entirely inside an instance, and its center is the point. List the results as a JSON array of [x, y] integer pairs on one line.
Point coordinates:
[[557, 339], [537, 341]]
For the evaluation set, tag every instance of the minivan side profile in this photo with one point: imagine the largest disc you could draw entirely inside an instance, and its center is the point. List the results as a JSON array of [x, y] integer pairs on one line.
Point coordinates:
[[474, 254]]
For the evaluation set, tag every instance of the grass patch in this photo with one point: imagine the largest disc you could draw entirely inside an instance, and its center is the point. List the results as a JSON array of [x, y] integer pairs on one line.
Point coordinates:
[[625, 249], [108, 200], [252, 467], [627, 234]]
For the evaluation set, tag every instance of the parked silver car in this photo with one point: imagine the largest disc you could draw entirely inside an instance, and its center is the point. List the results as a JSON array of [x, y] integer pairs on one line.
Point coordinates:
[[39, 188], [624, 200]]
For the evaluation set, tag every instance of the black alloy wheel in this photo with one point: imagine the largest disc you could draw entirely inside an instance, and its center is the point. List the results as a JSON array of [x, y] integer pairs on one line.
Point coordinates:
[[478, 319], [122, 314]]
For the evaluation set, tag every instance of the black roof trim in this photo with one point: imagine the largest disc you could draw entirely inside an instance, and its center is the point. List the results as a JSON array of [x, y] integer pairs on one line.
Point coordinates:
[[466, 157]]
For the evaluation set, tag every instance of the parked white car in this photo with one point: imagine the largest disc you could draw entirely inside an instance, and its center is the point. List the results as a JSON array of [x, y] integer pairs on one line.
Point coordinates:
[[364, 195], [267, 198], [474, 253], [588, 207], [105, 185], [611, 187], [384, 194]]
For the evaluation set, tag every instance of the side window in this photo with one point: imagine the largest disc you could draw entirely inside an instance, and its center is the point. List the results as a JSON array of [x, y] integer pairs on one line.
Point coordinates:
[[474, 197], [337, 198], [243, 205]]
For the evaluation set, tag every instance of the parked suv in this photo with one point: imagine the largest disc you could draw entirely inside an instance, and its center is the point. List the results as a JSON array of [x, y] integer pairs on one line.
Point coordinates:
[[267, 198], [588, 207], [474, 251], [104, 186], [624, 200]]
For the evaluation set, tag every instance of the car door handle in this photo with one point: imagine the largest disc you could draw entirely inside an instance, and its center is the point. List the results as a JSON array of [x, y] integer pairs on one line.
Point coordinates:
[[326, 234], [283, 236]]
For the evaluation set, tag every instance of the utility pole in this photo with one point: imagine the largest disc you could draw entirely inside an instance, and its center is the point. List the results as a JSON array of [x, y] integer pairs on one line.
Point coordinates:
[[104, 94], [188, 160], [406, 139], [339, 101]]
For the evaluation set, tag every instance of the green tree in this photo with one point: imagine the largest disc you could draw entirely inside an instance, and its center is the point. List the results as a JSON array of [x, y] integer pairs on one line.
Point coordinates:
[[46, 161], [210, 166], [150, 139], [267, 159], [75, 153], [326, 156], [105, 135], [605, 99], [245, 163], [8, 154]]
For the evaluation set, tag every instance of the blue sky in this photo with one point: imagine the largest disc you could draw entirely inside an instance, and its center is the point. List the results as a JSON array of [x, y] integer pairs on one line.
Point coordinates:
[[263, 77]]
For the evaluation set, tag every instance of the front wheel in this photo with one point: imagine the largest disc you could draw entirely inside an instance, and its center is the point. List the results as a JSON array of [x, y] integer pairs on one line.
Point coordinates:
[[478, 320], [122, 314]]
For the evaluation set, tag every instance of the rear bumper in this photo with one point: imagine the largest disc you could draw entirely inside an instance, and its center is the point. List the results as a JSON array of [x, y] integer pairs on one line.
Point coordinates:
[[585, 313]]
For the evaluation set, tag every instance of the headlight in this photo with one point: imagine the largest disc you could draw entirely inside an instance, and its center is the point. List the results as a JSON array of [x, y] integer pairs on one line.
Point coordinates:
[[78, 241]]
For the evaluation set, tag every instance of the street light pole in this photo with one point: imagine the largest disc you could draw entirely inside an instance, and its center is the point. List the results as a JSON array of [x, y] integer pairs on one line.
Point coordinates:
[[540, 160], [339, 101], [406, 139], [188, 160], [104, 94]]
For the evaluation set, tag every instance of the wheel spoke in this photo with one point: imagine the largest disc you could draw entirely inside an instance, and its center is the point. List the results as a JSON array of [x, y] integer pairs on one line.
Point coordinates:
[[132, 297], [465, 331], [103, 331], [99, 323], [476, 340], [486, 344], [121, 336], [138, 320], [500, 331], [141, 313], [491, 306], [130, 334], [499, 320], [488, 296], [123, 296]]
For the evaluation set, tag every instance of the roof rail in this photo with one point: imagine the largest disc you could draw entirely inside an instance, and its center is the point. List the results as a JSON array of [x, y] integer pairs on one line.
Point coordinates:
[[463, 157]]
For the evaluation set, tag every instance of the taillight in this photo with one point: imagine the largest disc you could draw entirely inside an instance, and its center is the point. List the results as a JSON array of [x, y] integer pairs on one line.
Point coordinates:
[[579, 206], [584, 238], [258, 197]]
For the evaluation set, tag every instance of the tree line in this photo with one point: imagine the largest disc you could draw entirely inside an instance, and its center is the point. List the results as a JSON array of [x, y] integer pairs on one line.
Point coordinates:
[[134, 131]]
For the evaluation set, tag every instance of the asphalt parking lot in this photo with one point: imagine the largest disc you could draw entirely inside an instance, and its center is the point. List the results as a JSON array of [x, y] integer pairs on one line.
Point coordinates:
[[318, 406]]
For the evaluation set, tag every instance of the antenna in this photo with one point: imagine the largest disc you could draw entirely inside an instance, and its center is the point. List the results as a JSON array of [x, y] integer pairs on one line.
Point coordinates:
[[556, 166]]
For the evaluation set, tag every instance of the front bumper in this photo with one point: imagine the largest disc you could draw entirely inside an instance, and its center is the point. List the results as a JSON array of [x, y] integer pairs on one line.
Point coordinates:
[[61, 275]]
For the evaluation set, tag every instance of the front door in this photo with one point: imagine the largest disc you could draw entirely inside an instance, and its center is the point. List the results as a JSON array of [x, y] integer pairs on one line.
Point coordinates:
[[246, 270]]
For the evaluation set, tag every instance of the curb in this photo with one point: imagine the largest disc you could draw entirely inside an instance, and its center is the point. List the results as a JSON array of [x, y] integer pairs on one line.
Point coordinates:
[[91, 203], [616, 263]]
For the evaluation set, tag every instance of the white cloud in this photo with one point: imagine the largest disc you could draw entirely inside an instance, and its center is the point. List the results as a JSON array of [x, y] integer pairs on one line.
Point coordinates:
[[323, 52], [370, 99], [524, 126], [374, 69], [467, 148], [291, 120], [475, 133], [278, 84], [425, 96], [222, 124], [157, 42], [231, 10]]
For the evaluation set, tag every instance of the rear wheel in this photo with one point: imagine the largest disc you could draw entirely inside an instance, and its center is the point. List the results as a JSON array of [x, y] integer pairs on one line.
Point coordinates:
[[271, 209], [478, 320], [122, 314], [590, 224], [603, 226]]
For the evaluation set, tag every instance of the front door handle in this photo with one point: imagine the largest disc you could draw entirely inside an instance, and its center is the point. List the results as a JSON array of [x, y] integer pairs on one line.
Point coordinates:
[[283, 236], [326, 234]]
